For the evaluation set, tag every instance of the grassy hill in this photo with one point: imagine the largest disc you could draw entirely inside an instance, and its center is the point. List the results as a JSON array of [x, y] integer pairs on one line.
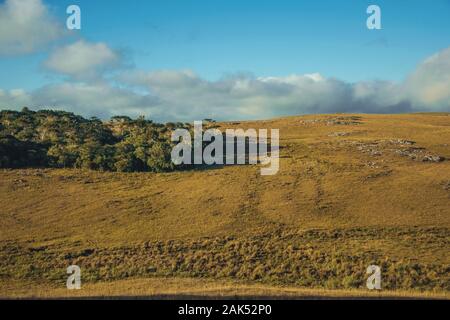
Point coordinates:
[[352, 190]]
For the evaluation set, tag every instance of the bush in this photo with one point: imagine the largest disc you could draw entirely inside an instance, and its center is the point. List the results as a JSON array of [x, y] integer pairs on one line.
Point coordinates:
[[60, 139]]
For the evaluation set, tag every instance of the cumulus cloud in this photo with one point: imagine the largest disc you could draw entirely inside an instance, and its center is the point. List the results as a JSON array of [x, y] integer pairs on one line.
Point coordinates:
[[242, 96], [249, 97], [169, 95], [15, 98], [83, 60], [429, 85], [95, 99], [98, 99], [26, 26]]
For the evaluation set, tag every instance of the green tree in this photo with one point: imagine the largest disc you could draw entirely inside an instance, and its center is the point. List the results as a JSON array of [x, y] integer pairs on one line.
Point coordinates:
[[160, 158]]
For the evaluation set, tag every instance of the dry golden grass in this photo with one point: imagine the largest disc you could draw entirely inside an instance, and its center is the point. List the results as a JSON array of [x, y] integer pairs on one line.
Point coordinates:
[[330, 211], [186, 288]]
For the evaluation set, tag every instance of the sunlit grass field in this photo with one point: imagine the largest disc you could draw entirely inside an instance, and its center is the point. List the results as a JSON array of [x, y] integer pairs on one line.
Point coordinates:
[[352, 190]]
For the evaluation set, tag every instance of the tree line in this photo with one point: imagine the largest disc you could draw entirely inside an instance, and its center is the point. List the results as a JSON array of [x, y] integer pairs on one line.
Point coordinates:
[[59, 139]]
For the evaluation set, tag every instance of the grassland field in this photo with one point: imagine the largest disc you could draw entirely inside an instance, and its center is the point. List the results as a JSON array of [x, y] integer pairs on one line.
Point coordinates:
[[352, 190]]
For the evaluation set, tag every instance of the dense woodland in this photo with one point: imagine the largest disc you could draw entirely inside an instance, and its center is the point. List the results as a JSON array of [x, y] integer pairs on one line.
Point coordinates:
[[61, 139]]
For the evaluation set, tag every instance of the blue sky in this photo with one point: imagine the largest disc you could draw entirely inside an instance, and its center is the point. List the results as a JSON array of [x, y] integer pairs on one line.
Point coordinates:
[[218, 38]]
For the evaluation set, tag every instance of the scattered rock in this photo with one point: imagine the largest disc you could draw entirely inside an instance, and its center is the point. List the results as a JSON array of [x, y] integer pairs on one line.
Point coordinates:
[[402, 142], [310, 121], [369, 148], [346, 121], [404, 148], [20, 184], [375, 153], [339, 134], [372, 164], [413, 153], [432, 158]]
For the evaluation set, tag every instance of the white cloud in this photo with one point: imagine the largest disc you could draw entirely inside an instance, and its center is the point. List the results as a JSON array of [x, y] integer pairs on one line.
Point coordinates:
[[26, 26], [15, 98], [164, 79], [83, 60], [429, 85], [246, 97], [184, 96], [95, 99]]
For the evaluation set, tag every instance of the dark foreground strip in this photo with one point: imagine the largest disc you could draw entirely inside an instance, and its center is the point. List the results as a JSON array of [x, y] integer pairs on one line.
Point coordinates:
[[192, 308]]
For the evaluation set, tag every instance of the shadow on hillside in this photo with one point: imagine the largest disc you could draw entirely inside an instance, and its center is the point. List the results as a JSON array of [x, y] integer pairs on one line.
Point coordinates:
[[250, 156]]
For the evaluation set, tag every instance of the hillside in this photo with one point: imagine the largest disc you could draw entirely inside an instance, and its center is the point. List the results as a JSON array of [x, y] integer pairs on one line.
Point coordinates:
[[352, 190]]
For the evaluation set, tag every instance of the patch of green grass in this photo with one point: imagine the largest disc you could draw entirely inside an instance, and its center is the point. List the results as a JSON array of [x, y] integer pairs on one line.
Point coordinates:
[[315, 258]]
